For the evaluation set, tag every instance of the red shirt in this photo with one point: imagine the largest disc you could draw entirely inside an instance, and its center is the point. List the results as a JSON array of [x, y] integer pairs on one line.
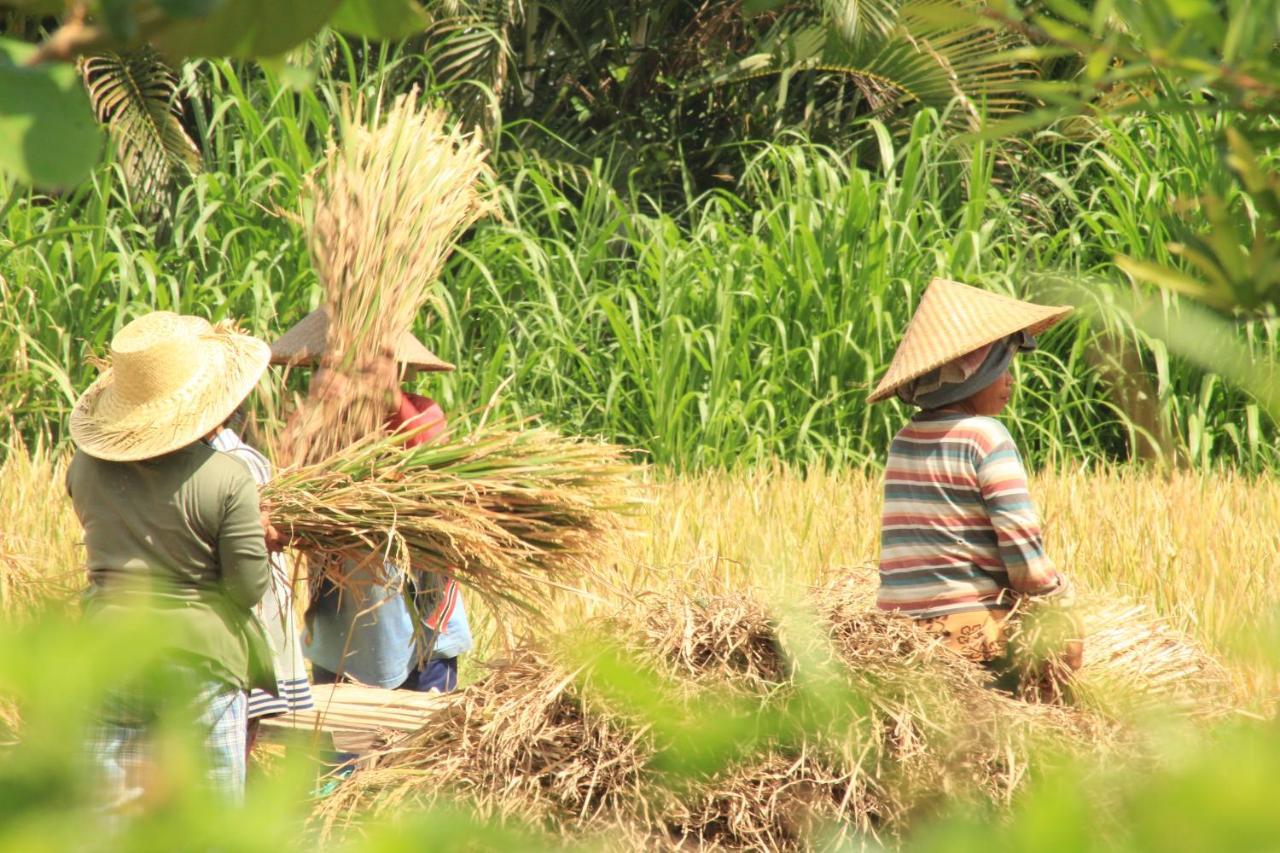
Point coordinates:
[[415, 412]]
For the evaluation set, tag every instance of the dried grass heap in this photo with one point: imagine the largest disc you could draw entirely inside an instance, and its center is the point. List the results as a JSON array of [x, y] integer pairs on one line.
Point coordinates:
[[534, 740], [519, 744], [1135, 665]]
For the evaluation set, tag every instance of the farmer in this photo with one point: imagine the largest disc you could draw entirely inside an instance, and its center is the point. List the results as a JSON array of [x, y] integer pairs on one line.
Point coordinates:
[[275, 610], [173, 536], [366, 630], [960, 540]]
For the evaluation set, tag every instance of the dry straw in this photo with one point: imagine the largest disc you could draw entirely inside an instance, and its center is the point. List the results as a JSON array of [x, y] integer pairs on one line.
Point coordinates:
[[533, 739], [384, 213], [512, 513], [1135, 664]]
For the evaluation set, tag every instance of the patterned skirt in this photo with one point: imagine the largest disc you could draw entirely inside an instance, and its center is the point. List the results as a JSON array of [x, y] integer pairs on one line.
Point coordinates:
[[977, 635], [119, 748], [983, 636]]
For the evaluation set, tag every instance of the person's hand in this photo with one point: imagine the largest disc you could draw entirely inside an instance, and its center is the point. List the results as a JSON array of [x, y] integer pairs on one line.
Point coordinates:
[[1073, 654], [1063, 595], [276, 541]]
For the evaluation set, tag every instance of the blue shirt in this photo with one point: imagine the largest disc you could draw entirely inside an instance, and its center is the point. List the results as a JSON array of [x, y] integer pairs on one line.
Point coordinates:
[[367, 631]]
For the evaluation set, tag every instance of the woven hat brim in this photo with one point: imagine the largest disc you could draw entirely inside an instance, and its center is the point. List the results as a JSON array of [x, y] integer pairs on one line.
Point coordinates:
[[305, 343], [231, 366], [931, 341]]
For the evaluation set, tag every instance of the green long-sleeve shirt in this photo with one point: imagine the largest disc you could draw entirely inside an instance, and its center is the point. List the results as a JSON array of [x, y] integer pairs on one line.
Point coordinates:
[[181, 537]]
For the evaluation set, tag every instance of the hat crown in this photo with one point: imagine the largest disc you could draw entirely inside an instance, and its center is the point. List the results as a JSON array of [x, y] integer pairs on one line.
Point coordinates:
[[953, 319], [307, 341], [155, 355]]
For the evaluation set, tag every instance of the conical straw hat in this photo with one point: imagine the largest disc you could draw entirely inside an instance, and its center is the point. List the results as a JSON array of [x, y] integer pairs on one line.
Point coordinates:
[[170, 381], [306, 342], [953, 319]]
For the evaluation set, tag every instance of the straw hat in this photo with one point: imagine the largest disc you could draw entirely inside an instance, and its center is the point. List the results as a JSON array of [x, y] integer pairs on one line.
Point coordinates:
[[953, 319], [171, 379], [304, 343]]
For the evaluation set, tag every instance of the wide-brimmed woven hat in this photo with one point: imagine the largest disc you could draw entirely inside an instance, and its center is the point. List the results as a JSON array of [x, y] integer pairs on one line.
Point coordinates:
[[305, 342], [954, 319], [171, 379]]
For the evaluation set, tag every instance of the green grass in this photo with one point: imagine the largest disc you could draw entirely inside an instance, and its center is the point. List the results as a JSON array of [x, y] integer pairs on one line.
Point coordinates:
[[716, 329]]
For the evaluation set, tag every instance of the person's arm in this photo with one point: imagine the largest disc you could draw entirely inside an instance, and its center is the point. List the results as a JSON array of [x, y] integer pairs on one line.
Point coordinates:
[[242, 549], [1003, 481]]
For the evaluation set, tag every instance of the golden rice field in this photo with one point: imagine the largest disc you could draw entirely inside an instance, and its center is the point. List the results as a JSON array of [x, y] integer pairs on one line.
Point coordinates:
[[1202, 549]]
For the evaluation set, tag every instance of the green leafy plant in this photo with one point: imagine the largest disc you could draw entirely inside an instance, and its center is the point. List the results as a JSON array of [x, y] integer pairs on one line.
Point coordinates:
[[45, 132], [895, 52], [136, 97]]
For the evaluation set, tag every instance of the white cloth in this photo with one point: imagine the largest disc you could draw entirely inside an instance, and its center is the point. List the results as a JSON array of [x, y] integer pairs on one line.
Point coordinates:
[[276, 608]]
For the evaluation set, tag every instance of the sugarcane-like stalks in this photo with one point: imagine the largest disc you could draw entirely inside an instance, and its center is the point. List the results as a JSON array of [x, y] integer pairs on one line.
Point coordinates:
[[511, 513]]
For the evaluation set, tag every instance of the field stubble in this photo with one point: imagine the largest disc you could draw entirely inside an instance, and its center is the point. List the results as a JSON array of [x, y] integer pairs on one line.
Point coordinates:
[[1201, 549]]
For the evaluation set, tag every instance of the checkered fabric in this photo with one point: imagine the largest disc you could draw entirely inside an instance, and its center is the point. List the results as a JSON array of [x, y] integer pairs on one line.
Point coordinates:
[[120, 754]]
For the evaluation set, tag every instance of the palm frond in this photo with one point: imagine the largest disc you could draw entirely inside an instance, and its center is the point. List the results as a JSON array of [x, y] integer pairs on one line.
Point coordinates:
[[135, 96], [915, 57], [469, 44], [858, 20]]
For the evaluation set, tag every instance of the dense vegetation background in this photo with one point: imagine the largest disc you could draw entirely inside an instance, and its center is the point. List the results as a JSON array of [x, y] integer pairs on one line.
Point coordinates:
[[714, 221]]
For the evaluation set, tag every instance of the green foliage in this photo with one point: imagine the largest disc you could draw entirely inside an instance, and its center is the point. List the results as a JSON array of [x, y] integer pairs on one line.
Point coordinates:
[[378, 18], [718, 329], [1178, 57], [665, 91], [59, 674], [245, 29], [895, 53], [1210, 795], [47, 133]]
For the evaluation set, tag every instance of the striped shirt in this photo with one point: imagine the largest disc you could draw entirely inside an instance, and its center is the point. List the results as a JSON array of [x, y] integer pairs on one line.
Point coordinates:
[[959, 530]]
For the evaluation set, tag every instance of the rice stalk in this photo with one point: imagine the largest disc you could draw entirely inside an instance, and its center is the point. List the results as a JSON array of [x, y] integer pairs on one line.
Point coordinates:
[[39, 568], [382, 217], [511, 513], [1134, 664]]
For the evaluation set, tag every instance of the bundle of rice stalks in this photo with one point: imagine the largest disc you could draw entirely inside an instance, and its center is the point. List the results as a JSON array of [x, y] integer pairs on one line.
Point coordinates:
[[780, 802], [384, 214], [1134, 663], [510, 512], [729, 638], [520, 743], [912, 727]]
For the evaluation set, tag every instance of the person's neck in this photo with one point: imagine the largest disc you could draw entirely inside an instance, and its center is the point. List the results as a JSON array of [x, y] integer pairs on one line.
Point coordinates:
[[960, 408]]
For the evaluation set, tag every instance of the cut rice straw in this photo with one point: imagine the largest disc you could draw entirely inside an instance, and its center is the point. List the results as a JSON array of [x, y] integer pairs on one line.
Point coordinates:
[[511, 513], [385, 212], [533, 740]]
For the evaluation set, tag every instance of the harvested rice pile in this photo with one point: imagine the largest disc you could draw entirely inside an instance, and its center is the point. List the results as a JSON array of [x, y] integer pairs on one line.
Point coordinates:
[[1137, 664], [913, 728], [518, 744], [928, 729]]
